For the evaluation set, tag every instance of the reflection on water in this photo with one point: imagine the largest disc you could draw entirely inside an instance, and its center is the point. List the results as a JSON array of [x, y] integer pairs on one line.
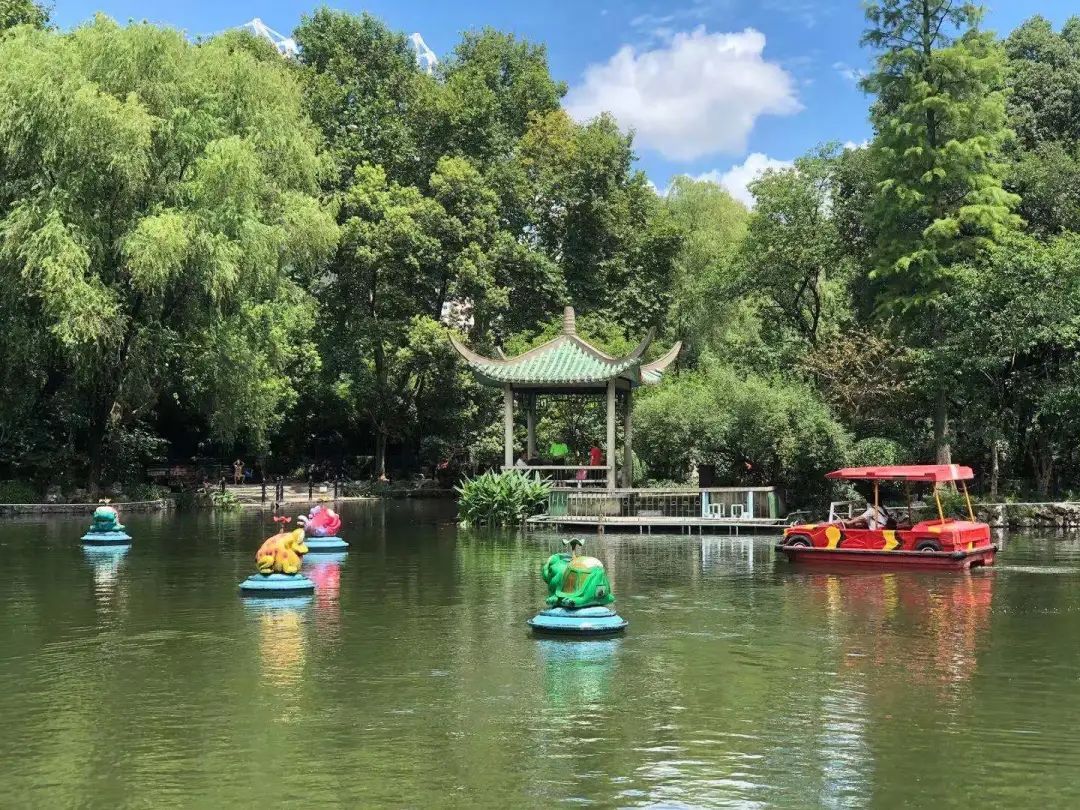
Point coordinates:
[[106, 562], [142, 678], [947, 614], [325, 571], [576, 671], [283, 649]]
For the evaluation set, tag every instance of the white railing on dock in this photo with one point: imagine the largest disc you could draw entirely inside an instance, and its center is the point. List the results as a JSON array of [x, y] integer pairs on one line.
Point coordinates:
[[711, 503]]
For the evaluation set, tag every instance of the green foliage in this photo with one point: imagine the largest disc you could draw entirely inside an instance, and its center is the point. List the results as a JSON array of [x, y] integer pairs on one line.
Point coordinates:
[[706, 310], [954, 504], [1044, 67], [17, 492], [1027, 356], [877, 452], [22, 12], [159, 218], [1044, 110], [794, 253], [226, 501], [362, 90], [145, 492], [940, 125], [210, 249], [755, 431], [504, 498]]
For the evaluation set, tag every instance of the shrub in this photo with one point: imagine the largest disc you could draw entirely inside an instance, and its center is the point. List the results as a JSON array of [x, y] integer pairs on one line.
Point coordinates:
[[756, 431], [145, 492], [17, 492], [877, 452], [223, 500], [953, 503], [503, 499]]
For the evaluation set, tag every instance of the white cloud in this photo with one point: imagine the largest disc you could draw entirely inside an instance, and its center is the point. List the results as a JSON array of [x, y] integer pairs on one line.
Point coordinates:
[[865, 142], [738, 177], [698, 94], [807, 12], [852, 74]]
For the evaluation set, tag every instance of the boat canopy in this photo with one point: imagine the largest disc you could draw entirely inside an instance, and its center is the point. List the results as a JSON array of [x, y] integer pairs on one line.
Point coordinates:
[[934, 473]]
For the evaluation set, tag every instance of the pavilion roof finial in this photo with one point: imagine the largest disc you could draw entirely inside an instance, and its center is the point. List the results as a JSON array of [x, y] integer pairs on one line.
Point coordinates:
[[569, 321]]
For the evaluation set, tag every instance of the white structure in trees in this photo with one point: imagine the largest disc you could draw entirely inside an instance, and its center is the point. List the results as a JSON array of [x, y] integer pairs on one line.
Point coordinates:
[[286, 46]]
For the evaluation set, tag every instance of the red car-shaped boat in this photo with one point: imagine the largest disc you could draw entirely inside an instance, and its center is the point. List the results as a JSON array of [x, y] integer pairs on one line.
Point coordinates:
[[881, 538]]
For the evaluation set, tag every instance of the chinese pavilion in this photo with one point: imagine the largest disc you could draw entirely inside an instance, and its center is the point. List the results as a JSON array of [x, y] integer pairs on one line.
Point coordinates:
[[569, 364]]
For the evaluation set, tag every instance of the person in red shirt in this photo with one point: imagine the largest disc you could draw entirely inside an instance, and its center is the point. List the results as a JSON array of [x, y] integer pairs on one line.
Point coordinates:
[[596, 456]]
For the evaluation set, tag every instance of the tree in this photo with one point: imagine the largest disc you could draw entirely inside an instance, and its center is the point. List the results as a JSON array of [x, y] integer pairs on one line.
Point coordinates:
[[754, 430], [22, 12], [388, 271], [1044, 110], [793, 253], [492, 86], [364, 92], [159, 227], [1021, 342], [705, 273], [1044, 82], [940, 126]]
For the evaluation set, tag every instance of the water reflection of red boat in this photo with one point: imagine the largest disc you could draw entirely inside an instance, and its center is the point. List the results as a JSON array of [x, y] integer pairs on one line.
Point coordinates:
[[879, 537], [931, 625]]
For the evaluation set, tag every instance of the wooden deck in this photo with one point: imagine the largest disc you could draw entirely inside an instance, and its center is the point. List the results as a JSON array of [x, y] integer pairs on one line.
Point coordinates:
[[708, 510], [645, 524]]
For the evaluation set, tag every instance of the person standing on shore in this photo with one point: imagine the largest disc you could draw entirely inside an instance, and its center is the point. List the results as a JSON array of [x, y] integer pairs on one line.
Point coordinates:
[[238, 472]]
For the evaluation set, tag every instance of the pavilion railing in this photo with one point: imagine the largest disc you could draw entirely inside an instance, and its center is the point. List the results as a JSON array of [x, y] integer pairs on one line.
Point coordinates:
[[718, 503], [569, 476]]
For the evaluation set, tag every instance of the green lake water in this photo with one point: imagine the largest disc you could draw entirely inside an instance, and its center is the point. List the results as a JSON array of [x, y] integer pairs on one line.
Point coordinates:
[[410, 680]]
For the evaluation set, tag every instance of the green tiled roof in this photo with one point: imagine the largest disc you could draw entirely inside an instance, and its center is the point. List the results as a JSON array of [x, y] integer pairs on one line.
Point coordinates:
[[567, 361], [563, 363]]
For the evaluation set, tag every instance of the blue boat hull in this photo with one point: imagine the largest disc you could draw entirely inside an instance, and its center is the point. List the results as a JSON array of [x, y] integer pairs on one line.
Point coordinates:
[[591, 621], [107, 538], [277, 585], [325, 545]]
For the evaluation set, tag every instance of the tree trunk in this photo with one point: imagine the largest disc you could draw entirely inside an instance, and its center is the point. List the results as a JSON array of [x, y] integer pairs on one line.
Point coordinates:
[[96, 438], [942, 449], [995, 468], [1042, 462], [380, 452]]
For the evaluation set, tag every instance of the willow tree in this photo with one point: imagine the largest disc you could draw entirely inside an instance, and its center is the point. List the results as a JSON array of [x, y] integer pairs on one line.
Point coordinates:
[[940, 124], [22, 12], [160, 223]]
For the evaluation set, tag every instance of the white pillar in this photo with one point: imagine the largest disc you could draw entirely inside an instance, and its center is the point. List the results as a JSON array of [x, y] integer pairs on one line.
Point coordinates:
[[530, 422], [508, 426], [628, 451], [611, 434]]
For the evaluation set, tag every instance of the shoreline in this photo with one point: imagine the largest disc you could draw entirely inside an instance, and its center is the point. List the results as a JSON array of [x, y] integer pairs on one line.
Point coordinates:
[[166, 504], [12, 509]]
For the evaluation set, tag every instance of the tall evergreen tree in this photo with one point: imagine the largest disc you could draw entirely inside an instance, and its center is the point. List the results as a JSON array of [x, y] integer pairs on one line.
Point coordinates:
[[940, 125]]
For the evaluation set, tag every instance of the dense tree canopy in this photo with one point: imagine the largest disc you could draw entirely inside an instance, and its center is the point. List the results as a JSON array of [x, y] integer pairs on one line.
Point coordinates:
[[159, 230], [213, 250]]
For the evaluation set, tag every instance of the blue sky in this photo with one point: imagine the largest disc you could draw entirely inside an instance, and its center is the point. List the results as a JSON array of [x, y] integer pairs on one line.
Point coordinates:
[[716, 88]]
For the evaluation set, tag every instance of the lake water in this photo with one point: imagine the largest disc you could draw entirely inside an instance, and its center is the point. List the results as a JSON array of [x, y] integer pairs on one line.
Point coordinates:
[[410, 680]]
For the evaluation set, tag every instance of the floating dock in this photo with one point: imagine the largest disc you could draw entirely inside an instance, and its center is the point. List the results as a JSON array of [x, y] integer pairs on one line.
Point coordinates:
[[714, 510]]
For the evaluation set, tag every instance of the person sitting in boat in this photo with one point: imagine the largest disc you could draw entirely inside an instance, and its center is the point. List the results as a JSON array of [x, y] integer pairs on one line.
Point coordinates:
[[874, 517]]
